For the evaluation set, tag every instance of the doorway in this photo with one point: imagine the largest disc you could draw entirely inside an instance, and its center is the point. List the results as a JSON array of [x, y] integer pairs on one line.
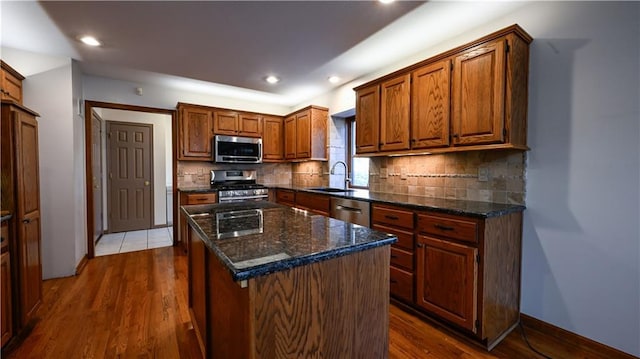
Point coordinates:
[[137, 183]]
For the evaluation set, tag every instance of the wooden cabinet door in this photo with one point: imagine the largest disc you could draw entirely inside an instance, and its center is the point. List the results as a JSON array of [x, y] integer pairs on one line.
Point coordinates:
[[28, 215], [479, 79], [6, 307], [290, 138], [195, 134], [446, 279], [394, 114], [273, 139], [303, 134], [250, 125], [225, 123], [11, 86], [367, 119], [430, 101]]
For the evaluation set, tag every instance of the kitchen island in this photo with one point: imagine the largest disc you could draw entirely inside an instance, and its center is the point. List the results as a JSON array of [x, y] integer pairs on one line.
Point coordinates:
[[269, 281]]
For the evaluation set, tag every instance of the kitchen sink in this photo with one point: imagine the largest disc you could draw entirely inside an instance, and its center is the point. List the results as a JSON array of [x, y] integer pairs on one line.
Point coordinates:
[[331, 189]]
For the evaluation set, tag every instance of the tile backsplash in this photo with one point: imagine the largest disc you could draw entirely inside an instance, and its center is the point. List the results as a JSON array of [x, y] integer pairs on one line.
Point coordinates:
[[197, 174], [486, 176]]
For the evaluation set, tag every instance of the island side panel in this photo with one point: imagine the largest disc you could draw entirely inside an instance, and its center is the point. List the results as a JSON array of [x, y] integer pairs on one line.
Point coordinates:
[[231, 335], [334, 308]]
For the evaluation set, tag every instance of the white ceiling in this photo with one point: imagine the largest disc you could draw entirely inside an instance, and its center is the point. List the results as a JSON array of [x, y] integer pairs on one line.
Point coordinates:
[[234, 45]]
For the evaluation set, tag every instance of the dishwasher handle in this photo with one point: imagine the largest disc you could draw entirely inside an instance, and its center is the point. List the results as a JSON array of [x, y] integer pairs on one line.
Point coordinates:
[[350, 209]]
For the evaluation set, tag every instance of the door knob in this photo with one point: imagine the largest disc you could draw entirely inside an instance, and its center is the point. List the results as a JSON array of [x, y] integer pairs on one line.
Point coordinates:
[[146, 183]]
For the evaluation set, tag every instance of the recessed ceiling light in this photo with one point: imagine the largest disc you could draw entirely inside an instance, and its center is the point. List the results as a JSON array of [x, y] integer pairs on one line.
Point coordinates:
[[272, 79], [386, 1], [90, 40], [333, 79]]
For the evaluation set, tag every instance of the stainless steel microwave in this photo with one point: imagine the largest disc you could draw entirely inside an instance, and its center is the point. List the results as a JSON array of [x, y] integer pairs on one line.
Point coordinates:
[[234, 149]]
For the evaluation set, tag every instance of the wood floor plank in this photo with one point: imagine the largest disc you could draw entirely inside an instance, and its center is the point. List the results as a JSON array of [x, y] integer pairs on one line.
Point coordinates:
[[135, 305]]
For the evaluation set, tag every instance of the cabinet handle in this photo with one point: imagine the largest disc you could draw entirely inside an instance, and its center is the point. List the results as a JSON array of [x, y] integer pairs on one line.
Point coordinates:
[[393, 281], [443, 227], [2, 239], [25, 221], [394, 256], [419, 245], [391, 217]]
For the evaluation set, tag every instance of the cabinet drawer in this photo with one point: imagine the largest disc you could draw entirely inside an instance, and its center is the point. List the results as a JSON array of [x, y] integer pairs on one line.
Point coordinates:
[[316, 203], [200, 198], [401, 284], [402, 259], [405, 239], [460, 228], [283, 196], [392, 216]]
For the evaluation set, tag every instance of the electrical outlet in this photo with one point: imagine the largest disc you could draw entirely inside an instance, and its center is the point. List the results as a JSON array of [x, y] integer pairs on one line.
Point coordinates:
[[483, 174], [403, 173], [383, 172]]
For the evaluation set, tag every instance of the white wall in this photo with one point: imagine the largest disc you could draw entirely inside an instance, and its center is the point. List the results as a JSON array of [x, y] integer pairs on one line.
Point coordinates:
[[50, 94], [162, 165], [581, 237], [79, 175]]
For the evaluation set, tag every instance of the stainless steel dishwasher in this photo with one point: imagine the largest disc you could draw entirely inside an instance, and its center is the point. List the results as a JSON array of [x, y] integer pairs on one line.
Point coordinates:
[[351, 210]]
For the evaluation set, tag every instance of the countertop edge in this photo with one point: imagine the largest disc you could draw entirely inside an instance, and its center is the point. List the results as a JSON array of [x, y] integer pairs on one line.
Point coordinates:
[[514, 208]]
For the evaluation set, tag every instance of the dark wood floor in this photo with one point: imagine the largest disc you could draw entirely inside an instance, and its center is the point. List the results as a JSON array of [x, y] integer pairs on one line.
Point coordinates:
[[135, 305]]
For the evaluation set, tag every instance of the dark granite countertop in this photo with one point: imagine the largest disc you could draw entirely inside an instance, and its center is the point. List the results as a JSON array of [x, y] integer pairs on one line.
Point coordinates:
[[257, 238], [197, 189], [448, 206]]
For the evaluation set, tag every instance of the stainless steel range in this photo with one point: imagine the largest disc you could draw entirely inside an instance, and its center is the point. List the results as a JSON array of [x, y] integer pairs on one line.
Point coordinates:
[[238, 185]]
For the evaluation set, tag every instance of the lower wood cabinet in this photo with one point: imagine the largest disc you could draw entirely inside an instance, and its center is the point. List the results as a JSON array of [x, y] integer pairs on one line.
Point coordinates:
[[5, 296], [286, 197], [447, 280], [398, 221], [186, 198], [316, 203], [468, 272]]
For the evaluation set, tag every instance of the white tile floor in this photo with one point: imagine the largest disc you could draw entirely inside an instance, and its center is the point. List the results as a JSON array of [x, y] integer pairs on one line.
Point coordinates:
[[123, 242]]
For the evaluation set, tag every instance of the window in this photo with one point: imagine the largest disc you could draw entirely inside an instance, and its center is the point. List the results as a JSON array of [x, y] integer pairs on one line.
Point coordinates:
[[358, 166]]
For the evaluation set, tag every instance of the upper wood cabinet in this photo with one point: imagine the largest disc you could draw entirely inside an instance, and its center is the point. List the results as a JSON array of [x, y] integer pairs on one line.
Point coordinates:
[[430, 99], [273, 139], [306, 134], [479, 79], [234, 123], [367, 119], [11, 82], [394, 114], [194, 133], [289, 137], [473, 97]]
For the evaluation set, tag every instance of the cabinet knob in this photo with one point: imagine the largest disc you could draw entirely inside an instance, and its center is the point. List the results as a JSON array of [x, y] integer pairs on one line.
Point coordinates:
[[419, 245], [26, 221]]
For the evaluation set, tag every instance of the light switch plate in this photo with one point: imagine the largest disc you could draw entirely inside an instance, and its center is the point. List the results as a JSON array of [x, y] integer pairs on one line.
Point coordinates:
[[383, 172], [403, 173], [483, 174]]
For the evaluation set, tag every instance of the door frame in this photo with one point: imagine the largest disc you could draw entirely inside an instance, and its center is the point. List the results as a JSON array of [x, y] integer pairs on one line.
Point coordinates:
[[101, 185], [88, 107], [151, 172]]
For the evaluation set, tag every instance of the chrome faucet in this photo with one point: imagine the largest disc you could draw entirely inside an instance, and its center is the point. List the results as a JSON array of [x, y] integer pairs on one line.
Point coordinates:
[[346, 177]]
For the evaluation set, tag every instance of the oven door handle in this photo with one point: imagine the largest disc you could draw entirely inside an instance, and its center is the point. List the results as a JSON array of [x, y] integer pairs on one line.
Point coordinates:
[[230, 199]]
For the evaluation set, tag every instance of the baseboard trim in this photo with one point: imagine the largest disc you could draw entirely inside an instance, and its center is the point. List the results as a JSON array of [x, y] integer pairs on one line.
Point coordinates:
[[82, 264], [564, 335]]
